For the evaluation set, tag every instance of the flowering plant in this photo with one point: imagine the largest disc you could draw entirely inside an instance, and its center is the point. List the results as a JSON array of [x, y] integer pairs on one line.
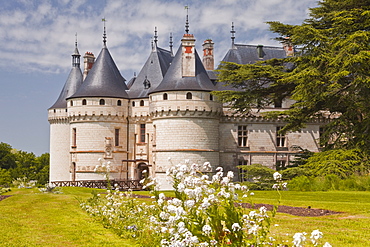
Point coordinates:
[[207, 210]]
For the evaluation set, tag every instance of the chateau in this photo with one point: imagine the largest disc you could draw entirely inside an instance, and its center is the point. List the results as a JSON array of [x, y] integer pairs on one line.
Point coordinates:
[[163, 116]]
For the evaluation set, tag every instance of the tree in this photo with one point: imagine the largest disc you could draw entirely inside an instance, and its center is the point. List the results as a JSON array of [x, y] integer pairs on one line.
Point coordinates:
[[329, 75]]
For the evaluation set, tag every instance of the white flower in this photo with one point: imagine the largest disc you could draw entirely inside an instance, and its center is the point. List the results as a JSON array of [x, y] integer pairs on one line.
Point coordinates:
[[277, 176], [252, 194], [236, 227], [230, 174], [298, 239], [275, 186], [206, 229], [315, 236], [327, 245], [253, 230]]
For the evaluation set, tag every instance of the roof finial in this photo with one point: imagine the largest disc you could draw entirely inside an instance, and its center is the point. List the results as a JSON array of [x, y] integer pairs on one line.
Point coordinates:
[[76, 55], [104, 34], [232, 35], [155, 36], [187, 19], [171, 44]]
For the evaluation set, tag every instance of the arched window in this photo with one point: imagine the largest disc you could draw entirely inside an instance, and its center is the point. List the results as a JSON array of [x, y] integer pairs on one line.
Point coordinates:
[[165, 96], [102, 102], [119, 102], [83, 102], [141, 102], [133, 103], [71, 102], [189, 96]]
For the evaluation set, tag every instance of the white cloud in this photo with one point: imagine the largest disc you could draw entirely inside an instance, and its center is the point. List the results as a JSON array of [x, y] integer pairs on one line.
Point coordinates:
[[39, 36]]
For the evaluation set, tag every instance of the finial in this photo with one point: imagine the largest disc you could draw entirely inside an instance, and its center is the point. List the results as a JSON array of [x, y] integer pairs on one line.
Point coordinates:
[[76, 55], [171, 44], [152, 43], [155, 36], [104, 34], [187, 19], [232, 35]]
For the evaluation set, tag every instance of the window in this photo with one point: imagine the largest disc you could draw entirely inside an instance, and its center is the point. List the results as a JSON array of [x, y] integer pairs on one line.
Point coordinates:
[[211, 97], [141, 102], [242, 136], [102, 102], [83, 102], [278, 103], [133, 103], [165, 96], [142, 132], [242, 172], [71, 102], [74, 137], [116, 137], [119, 102], [280, 138], [189, 96]]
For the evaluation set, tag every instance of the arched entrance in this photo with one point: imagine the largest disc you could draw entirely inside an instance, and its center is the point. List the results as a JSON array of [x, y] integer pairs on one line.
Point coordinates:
[[143, 171]]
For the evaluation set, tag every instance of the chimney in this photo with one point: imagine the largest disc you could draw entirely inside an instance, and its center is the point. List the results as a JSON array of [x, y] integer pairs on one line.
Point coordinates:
[[260, 51], [208, 59], [288, 47], [89, 60], [188, 55]]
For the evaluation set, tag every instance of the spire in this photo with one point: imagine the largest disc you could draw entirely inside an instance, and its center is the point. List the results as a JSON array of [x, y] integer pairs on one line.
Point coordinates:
[[232, 35], [187, 19], [104, 34], [76, 56], [155, 36], [171, 44]]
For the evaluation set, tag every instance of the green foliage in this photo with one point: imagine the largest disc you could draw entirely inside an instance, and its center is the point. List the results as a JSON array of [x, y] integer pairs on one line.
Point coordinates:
[[293, 172], [330, 74], [300, 183], [5, 178], [20, 164], [260, 177], [342, 163]]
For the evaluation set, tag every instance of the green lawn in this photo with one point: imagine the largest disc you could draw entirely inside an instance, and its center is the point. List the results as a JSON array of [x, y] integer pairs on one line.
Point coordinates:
[[350, 228], [30, 218]]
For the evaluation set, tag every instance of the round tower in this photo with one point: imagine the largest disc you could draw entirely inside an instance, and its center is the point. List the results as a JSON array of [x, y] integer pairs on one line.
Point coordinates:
[[59, 124], [98, 113], [185, 114]]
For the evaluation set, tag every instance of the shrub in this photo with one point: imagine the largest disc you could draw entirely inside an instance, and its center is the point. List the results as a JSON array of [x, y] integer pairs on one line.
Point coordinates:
[[300, 183]]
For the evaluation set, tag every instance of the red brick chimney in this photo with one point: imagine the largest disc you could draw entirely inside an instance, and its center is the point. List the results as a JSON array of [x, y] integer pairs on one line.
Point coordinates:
[[288, 47], [208, 58], [89, 60]]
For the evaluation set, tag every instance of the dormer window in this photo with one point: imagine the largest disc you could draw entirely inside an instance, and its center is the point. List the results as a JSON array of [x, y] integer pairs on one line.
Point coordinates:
[[102, 102], [146, 83], [189, 96], [165, 96], [83, 102]]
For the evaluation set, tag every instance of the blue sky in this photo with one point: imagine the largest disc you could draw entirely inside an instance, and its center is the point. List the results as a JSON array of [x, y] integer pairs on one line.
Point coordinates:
[[37, 39]]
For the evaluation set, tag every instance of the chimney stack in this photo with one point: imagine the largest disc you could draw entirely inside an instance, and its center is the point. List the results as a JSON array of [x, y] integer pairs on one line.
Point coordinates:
[[89, 60], [208, 58], [188, 55], [288, 47]]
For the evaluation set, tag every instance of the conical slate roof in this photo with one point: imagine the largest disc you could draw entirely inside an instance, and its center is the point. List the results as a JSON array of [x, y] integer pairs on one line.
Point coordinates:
[[103, 80], [73, 82], [152, 72], [173, 80]]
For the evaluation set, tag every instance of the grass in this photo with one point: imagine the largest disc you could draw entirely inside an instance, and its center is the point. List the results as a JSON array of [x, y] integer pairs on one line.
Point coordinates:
[[350, 228], [30, 218]]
